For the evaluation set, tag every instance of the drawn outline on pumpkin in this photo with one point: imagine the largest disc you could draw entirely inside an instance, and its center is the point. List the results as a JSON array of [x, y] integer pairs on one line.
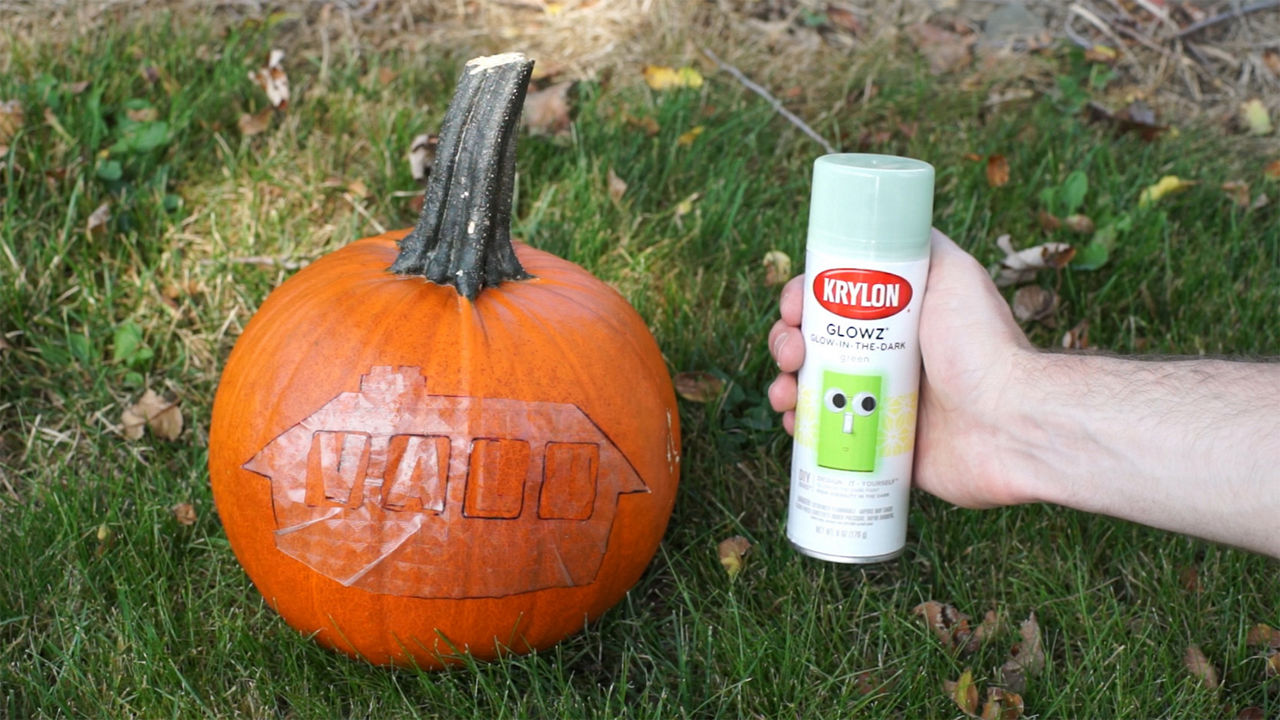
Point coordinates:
[[477, 470]]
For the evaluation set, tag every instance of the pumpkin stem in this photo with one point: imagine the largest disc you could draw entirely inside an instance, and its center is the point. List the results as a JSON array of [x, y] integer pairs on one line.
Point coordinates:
[[463, 237]]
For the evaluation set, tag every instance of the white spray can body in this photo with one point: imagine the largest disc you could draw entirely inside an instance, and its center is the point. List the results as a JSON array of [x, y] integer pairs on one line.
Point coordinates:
[[866, 264]]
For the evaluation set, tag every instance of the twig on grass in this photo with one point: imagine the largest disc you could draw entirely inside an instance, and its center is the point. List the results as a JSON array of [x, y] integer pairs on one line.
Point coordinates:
[[1229, 15], [773, 101]]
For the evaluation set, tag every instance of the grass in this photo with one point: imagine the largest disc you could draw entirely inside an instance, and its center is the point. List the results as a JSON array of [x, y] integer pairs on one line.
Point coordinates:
[[109, 607]]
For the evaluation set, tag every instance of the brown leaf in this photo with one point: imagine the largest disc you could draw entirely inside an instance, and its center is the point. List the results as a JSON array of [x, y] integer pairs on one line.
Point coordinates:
[[1271, 58], [946, 51], [1048, 221], [1272, 170], [777, 268], [617, 186], [1273, 664], [1032, 302], [1253, 712], [251, 125], [843, 18], [146, 114], [1077, 338], [997, 171], [1025, 658], [184, 513], [944, 620], [98, 219], [647, 124], [358, 189], [1102, 54], [1190, 578], [152, 411], [273, 80], [1002, 705], [11, 117], [1238, 191], [546, 111], [698, 386], [386, 75], [732, 552], [1078, 223], [76, 88], [1263, 635], [1199, 666], [963, 692], [1019, 266], [422, 156], [1135, 118]]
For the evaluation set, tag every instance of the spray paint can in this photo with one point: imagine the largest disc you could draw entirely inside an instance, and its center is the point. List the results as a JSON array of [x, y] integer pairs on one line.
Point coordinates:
[[866, 261]]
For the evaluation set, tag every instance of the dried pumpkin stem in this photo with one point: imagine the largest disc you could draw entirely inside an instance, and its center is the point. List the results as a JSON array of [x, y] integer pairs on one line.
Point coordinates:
[[463, 237]]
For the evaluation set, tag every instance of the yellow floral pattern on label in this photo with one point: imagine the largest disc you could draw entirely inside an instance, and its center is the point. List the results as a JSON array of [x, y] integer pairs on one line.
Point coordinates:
[[898, 426]]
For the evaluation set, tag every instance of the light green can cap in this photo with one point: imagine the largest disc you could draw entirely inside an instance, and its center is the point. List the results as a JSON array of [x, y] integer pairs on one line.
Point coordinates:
[[880, 206]]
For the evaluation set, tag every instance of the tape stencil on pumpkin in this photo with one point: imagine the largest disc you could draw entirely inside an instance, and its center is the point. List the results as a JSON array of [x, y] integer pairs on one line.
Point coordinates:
[[399, 492]]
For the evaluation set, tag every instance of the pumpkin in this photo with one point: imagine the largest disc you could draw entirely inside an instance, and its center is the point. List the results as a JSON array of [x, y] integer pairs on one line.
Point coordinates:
[[442, 441]]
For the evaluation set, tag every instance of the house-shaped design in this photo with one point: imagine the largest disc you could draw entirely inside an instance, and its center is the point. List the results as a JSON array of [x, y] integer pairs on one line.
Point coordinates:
[[400, 492]]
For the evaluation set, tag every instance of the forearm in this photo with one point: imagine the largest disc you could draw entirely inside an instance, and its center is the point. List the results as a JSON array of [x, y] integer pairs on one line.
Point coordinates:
[[1186, 445]]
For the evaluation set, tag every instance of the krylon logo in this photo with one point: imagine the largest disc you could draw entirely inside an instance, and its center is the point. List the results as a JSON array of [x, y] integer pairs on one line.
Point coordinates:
[[861, 294]]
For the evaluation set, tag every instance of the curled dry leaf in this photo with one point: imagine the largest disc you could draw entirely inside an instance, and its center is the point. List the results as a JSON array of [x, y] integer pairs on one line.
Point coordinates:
[[963, 692], [11, 118], [98, 219], [1167, 185], [422, 156], [1002, 704], [546, 111], [1253, 712], [1263, 635], [1254, 117], [184, 513], [1273, 663], [842, 17], [1077, 338], [1025, 658], [1272, 170], [1019, 266], [1238, 191], [946, 51], [1032, 302], [617, 186], [273, 80], [997, 171], [777, 268], [1200, 667], [732, 552], [254, 124], [698, 386], [163, 417], [1137, 118], [951, 626], [662, 77]]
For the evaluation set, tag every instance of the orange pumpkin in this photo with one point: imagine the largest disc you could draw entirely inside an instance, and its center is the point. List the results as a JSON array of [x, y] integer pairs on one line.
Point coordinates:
[[410, 469]]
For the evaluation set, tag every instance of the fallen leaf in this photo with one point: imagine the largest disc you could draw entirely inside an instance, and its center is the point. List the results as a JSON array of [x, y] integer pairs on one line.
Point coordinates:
[[698, 386], [1078, 223], [777, 268], [1273, 664], [1137, 118], [386, 75], [1199, 666], [1167, 185], [1238, 191], [273, 80], [963, 692], [152, 411], [11, 115], [1253, 712], [1048, 221], [1032, 302], [1263, 635], [143, 114], [1002, 704], [76, 88], [662, 77], [1025, 658], [732, 551], [98, 219], [843, 18], [546, 111], [184, 513], [946, 51], [1259, 202], [1102, 54], [951, 626], [1254, 117], [1020, 266], [686, 139], [1077, 338], [422, 156], [617, 186], [1190, 578], [685, 206], [358, 189], [647, 124], [1271, 58], [251, 125], [997, 171], [1272, 170]]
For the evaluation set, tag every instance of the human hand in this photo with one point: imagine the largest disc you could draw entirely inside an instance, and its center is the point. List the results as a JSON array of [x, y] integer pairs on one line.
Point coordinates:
[[973, 353]]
